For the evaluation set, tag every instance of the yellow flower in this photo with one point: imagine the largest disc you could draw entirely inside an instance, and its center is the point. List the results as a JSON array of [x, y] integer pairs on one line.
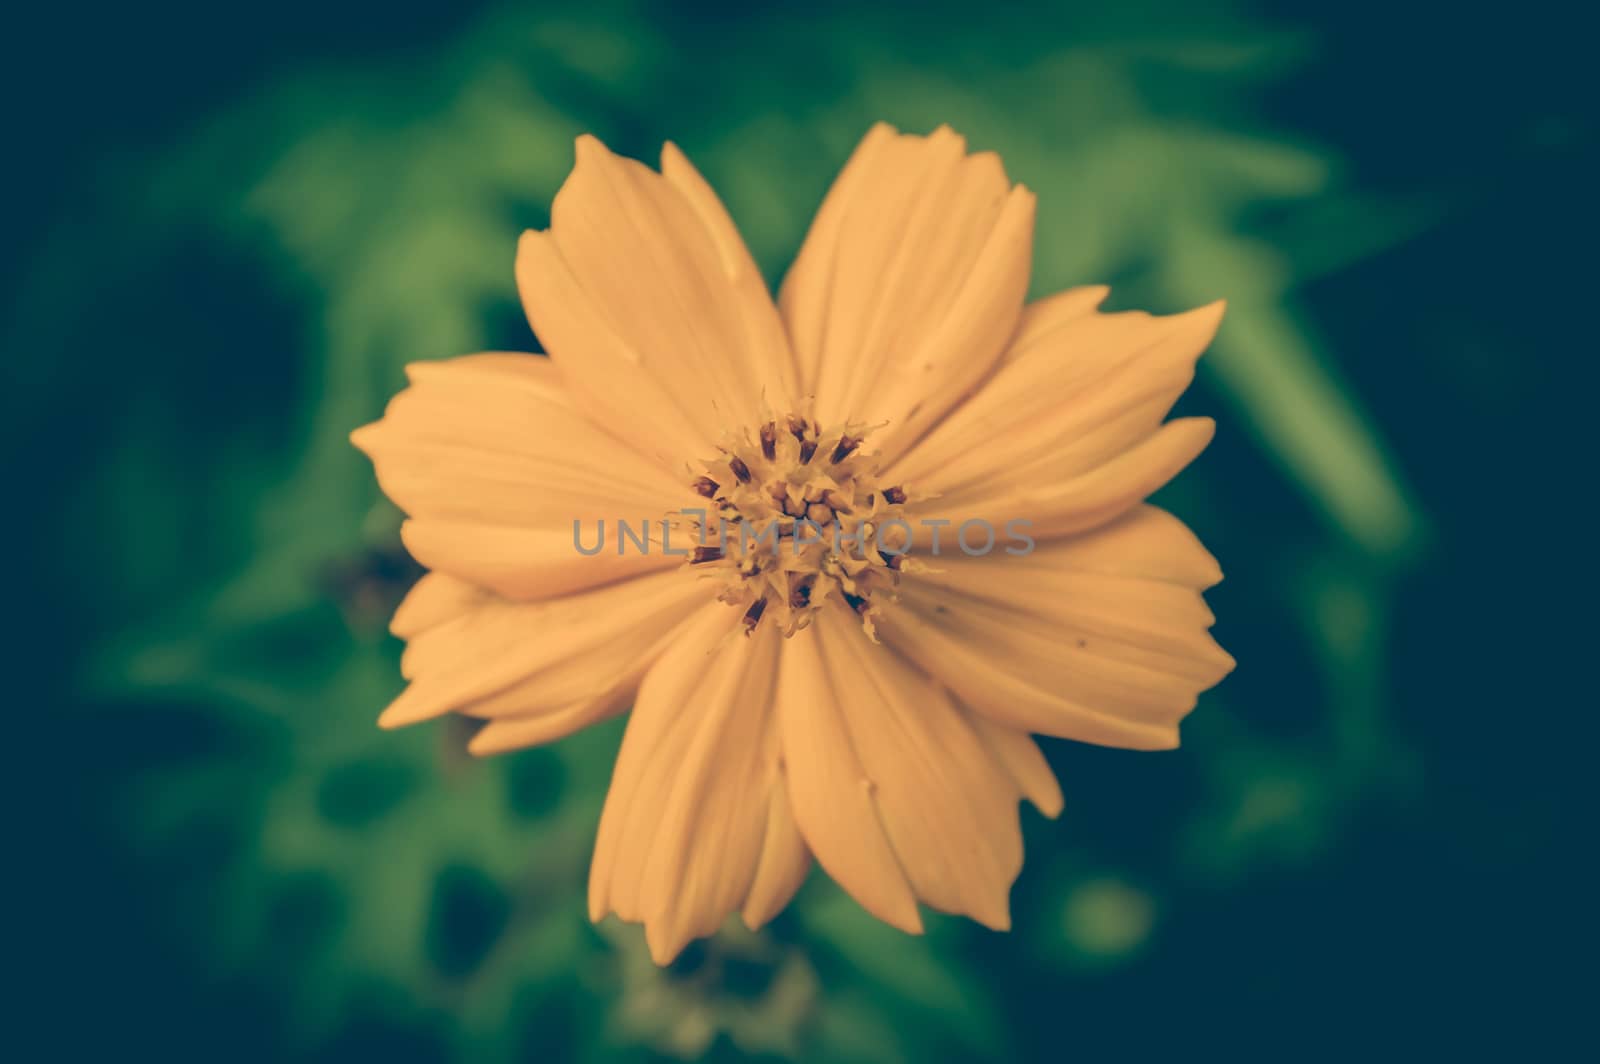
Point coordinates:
[[860, 696]]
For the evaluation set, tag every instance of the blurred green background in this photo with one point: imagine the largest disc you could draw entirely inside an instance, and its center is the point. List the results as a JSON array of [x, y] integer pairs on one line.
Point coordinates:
[[232, 228]]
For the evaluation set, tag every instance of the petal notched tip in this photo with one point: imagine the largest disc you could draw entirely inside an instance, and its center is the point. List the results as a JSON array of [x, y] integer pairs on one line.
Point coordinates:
[[1196, 431], [908, 919], [589, 146], [413, 706], [398, 716], [529, 244], [1157, 738], [998, 919], [365, 438], [1050, 808], [664, 945], [673, 159], [1204, 321], [488, 744]]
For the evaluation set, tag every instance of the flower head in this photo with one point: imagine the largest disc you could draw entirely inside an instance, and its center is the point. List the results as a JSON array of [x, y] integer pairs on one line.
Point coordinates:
[[810, 674]]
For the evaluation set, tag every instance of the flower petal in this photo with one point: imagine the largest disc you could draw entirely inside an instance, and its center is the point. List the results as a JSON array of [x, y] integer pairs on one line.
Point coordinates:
[[644, 295], [505, 734], [765, 342], [537, 563], [784, 860], [1100, 638], [829, 788], [433, 600], [1045, 510], [894, 790], [1068, 433], [494, 465], [1046, 315], [512, 659], [1015, 749], [909, 283], [685, 838]]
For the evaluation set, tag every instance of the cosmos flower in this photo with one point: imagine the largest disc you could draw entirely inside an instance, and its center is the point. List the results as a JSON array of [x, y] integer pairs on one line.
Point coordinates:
[[870, 708]]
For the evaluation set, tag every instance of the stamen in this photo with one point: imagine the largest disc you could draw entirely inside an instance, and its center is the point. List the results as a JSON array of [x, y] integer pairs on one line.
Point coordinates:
[[804, 536]]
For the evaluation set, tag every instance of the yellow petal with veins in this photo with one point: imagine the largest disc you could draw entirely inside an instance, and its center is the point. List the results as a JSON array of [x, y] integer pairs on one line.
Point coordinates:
[[1067, 434], [640, 292], [686, 836], [931, 812], [1100, 638], [555, 651], [909, 283], [494, 464]]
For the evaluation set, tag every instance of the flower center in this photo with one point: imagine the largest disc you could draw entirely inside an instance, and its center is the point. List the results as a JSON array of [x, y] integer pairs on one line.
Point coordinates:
[[796, 515]]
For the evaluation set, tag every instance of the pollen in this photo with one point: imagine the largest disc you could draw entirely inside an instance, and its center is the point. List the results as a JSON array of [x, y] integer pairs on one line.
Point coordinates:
[[797, 516]]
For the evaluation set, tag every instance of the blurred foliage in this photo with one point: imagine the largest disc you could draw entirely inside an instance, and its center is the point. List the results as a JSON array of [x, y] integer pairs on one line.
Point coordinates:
[[325, 888]]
